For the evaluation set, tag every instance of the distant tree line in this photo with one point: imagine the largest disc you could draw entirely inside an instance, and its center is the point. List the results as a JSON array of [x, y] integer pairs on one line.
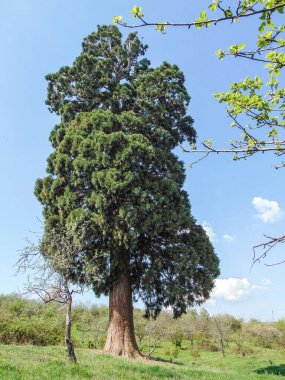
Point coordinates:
[[24, 321]]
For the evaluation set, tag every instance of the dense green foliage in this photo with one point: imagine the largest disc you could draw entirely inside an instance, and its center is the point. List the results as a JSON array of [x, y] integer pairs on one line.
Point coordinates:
[[25, 322], [113, 166]]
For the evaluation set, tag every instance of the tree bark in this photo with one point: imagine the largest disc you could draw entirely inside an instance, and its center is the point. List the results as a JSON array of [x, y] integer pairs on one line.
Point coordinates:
[[68, 342], [121, 336], [222, 347]]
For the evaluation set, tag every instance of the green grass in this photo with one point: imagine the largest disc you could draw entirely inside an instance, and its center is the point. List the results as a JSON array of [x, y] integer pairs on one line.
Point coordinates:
[[50, 363]]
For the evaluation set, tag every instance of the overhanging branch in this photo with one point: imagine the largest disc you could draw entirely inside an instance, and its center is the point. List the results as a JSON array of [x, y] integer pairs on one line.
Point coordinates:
[[267, 146], [234, 17]]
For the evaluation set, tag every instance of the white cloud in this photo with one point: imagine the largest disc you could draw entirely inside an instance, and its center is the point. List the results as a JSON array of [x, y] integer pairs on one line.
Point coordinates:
[[228, 237], [232, 289], [266, 282], [267, 211], [209, 231]]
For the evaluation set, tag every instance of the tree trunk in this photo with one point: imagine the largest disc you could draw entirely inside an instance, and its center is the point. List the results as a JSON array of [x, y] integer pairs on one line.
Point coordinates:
[[68, 342], [121, 336], [222, 347]]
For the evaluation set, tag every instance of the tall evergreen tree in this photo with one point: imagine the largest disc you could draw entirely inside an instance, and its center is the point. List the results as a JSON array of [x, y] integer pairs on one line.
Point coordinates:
[[113, 165]]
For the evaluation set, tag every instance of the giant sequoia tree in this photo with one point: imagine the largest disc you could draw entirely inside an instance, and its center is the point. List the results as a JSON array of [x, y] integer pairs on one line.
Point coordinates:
[[113, 165]]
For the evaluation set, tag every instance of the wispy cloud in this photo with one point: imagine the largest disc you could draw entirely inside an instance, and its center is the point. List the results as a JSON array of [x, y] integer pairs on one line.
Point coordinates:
[[228, 237], [266, 282], [267, 211], [232, 289], [210, 232]]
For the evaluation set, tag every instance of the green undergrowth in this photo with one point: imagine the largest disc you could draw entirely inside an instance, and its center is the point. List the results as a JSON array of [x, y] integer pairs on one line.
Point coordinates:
[[31, 362]]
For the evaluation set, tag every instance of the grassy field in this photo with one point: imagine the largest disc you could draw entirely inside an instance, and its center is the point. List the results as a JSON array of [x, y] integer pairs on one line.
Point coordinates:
[[31, 362]]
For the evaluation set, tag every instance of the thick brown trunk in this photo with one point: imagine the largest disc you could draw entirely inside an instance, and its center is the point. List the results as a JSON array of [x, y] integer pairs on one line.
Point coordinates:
[[121, 336]]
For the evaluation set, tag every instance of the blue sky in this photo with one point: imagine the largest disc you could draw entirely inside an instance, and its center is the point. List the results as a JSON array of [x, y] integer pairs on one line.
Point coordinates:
[[229, 198]]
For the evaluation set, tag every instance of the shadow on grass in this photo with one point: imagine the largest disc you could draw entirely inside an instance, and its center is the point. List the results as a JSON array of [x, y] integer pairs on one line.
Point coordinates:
[[272, 370], [161, 360]]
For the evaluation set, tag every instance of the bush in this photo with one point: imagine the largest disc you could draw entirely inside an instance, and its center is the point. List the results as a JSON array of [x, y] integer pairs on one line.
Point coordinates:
[[167, 351], [176, 337], [206, 344], [264, 335], [25, 321], [246, 350], [30, 332], [195, 352]]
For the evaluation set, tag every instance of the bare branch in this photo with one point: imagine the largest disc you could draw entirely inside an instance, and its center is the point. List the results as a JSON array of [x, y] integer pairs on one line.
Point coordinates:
[[266, 247]]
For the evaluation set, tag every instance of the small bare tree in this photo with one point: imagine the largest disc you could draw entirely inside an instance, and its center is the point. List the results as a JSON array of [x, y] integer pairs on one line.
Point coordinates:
[[52, 271], [221, 325]]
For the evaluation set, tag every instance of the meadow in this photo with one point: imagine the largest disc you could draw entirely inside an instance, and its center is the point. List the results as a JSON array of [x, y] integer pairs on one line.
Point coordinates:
[[25, 362], [32, 333]]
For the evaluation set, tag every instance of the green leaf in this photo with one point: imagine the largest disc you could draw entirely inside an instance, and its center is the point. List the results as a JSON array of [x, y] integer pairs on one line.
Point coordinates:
[[228, 13], [162, 26], [214, 5], [221, 54], [208, 143], [137, 11], [275, 72], [268, 66], [273, 133], [262, 27], [117, 19], [198, 24], [251, 143], [203, 15]]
